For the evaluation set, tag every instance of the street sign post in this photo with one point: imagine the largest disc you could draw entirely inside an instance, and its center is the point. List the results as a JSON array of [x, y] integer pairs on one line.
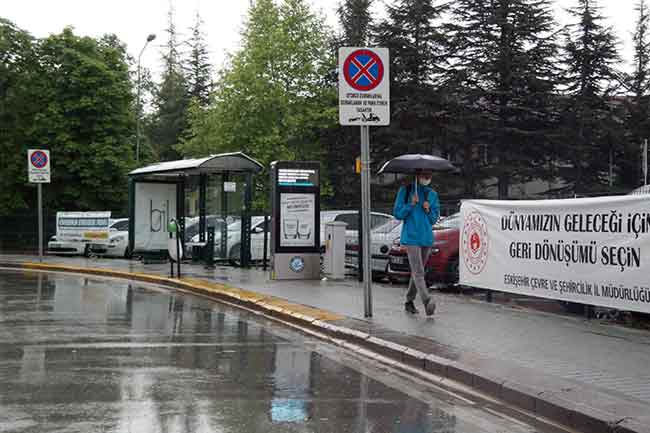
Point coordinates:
[[38, 170], [364, 100]]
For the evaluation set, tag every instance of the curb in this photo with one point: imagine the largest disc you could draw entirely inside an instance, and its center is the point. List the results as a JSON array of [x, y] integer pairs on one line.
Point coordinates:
[[585, 409]]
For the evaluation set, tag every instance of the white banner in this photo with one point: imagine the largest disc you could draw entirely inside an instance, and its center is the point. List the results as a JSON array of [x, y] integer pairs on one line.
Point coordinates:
[[155, 206], [297, 221], [594, 251], [82, 226]]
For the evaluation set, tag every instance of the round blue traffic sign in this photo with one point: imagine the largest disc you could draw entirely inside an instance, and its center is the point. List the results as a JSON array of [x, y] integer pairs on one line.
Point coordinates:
[[39, 159]]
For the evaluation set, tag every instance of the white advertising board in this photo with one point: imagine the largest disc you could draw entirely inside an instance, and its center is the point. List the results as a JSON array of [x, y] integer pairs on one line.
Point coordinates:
[[364, 86], [297, 222], [82, 226], [155, 207], [594, 251]]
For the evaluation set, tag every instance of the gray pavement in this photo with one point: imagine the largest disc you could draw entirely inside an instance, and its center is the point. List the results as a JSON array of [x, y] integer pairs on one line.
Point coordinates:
[[90, 354], [608, 357]]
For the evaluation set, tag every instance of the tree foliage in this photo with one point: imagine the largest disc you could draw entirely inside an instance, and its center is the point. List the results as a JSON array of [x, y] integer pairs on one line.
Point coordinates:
[[72, 95], [504, 78], [169, 122], [270, 101], [198, 67], [591, 123]]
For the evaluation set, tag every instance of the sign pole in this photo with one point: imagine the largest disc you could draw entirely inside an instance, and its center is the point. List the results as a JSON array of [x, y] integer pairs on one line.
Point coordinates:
[[40, 222], [365, 218], [364, 100]]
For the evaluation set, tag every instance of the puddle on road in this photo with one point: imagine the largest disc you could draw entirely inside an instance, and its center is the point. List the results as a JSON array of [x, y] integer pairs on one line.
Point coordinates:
[[84, 354]]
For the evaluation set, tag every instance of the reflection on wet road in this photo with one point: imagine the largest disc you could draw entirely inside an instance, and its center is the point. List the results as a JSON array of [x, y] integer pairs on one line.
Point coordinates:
[[83, 354]]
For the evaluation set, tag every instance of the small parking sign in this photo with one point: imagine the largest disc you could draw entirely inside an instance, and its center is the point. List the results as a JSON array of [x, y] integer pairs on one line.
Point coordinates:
[[38, 165]]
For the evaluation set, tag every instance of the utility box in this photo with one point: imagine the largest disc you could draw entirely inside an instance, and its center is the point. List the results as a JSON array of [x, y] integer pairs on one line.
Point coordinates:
[[335, 250]]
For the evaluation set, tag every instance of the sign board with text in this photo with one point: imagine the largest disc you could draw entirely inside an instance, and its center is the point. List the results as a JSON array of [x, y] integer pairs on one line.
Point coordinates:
[[38, 165], [82, 226], [594, 251], [364, 86]]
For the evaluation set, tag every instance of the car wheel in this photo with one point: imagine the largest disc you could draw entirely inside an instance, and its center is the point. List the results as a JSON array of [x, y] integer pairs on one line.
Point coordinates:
[[87, 251], [234, 258], [127, 253], [452, 273]]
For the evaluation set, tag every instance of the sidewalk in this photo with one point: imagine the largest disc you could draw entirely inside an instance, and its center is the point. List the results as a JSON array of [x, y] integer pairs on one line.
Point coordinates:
[[590, 364]]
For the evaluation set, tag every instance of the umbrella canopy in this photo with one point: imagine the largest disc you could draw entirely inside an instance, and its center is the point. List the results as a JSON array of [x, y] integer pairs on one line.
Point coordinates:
[[411, 163]]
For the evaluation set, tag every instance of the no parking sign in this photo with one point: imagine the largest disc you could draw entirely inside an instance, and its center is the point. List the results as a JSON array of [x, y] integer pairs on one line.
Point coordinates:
[[38, 165], [364, 97]]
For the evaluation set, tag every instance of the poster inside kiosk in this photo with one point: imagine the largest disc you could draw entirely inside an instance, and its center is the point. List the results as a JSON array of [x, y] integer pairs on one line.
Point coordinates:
[[593, 251]]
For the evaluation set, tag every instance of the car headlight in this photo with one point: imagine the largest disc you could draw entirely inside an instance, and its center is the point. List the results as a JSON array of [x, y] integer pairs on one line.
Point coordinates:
[[117, 239]]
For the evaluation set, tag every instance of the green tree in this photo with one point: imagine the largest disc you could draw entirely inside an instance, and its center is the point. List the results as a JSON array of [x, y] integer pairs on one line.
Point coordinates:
[[638, 105], [356, 22], [342, 143], [412, 33], [20, 79], [199, 69], [74, 97], [272, 100], [169, 122], [589, 121], [504, 78]]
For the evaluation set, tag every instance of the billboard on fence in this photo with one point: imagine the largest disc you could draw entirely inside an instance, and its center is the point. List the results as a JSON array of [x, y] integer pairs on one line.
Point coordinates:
[[82, 226], [590, 250], [155, 207]]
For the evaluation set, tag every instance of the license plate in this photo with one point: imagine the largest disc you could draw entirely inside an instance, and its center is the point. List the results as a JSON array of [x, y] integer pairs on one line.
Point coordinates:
[[398, 260]]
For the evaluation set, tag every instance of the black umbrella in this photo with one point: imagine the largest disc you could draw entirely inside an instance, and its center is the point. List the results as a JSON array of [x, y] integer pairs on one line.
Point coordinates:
[[411, 163]]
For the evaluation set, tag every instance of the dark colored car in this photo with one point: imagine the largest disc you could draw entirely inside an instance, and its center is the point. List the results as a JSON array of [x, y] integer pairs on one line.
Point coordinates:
[[442, 266]]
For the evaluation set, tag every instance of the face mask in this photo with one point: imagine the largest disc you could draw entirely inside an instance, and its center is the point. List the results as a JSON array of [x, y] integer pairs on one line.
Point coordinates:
[[424, 182]]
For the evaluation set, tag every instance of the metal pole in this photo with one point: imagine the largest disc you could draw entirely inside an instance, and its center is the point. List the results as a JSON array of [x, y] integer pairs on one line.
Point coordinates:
[[645, 162], [365, 218], [40, 222], [137, 115]]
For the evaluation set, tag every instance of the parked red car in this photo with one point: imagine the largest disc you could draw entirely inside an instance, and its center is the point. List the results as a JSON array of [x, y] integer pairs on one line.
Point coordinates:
[[442, 266]]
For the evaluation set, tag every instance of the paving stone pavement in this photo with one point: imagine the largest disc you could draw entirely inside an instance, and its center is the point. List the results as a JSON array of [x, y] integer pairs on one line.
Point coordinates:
[[606, 356]]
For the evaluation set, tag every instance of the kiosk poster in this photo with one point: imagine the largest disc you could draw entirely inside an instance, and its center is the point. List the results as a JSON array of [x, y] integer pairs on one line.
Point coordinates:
[[593, 251], [297, 220]]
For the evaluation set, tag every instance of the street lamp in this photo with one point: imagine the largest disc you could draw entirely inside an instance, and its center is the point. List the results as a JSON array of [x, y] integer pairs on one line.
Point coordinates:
[[150, 38]]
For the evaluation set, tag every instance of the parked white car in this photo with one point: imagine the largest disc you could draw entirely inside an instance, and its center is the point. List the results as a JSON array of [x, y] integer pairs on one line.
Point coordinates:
[[118, 240], [67, 247], [233, 240], [381, 239]]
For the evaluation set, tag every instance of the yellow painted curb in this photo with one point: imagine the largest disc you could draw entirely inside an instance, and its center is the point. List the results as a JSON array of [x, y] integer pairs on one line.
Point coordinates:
[[267, 302]]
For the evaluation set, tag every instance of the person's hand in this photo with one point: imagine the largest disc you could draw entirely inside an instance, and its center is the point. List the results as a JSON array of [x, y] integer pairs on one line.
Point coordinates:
[[426, 206], [415, 199]]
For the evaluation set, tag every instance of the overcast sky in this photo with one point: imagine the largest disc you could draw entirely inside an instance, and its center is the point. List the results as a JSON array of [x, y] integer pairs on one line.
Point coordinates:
[[133, 20]]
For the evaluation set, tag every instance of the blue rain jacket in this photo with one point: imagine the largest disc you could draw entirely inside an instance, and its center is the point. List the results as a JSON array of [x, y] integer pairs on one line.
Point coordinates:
[[417, 226]]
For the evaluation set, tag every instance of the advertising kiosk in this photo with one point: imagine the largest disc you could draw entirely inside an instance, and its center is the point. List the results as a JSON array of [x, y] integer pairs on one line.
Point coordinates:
[[295, 220]]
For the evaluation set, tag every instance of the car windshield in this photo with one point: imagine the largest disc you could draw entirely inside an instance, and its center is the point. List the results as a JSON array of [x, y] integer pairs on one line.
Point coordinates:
[[451, 222], [387, 227]]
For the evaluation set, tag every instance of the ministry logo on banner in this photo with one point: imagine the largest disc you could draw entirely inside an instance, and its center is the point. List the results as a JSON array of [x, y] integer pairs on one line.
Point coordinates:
[[475, 242]]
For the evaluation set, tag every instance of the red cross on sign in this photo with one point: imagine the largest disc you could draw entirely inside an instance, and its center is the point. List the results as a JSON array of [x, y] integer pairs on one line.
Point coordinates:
[[363, 70]]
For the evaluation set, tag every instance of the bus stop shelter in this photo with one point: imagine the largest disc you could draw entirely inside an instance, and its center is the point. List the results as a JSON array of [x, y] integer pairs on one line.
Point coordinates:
[[201, 194]]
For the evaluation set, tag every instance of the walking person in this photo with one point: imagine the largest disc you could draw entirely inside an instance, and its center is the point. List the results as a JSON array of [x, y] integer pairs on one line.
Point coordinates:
[[418, 207]]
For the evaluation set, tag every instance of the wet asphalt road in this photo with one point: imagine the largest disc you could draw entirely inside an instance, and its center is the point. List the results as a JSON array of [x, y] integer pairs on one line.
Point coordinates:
[[85, 354]]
